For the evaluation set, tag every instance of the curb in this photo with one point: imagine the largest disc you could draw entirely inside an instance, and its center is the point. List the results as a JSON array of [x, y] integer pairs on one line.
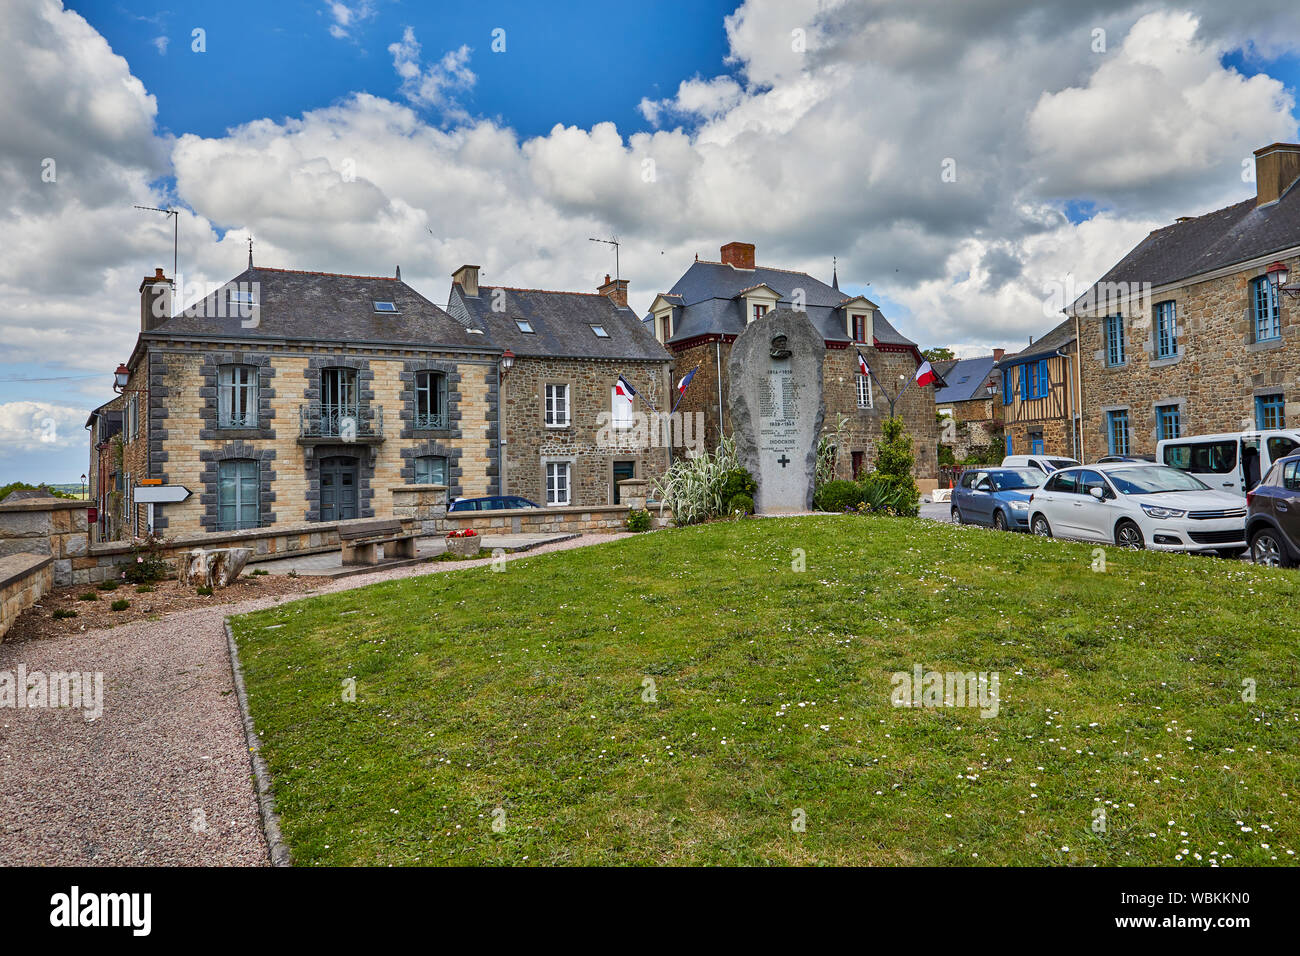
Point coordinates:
[[278, 851]]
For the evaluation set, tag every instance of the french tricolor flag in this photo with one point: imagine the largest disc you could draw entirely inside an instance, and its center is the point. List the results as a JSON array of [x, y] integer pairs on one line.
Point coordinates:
[[925, 375], [862, 364], [624, 389], [686, 380]]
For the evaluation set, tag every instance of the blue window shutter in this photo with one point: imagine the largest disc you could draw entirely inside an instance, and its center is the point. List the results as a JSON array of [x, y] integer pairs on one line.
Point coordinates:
[[1024, 383], [1008, 444], [1044, 381]]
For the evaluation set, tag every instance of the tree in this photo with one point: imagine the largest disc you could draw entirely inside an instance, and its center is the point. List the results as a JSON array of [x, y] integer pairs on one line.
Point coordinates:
[[938, 354], [894, 460]]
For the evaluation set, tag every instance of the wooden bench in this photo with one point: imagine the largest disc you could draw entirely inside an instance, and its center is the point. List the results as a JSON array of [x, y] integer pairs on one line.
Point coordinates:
[[359, 540]]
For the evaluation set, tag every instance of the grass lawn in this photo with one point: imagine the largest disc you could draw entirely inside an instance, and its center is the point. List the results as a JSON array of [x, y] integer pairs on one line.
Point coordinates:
[[520, 697]]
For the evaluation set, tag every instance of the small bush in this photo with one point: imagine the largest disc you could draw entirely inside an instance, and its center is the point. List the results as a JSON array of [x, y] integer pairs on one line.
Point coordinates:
[[204, 590], [107, 585], [638, 520], [63, 612], [838, 496], [257, 573], [121, 604], [741, 505], [143, 588], [147, 564], [737, 481], [88, 596]]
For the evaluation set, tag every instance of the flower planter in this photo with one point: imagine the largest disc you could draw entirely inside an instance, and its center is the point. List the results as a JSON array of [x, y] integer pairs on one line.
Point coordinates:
[[464, 547]]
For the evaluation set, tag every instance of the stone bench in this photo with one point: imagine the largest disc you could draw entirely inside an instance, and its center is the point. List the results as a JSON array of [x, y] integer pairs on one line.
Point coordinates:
[[359, 541]]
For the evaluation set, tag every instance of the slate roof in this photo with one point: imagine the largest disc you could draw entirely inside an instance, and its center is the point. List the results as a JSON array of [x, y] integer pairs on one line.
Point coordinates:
[[710, 306], [1217, 239], [328, 307], [965, 379], [1059, 337], [561, 323]]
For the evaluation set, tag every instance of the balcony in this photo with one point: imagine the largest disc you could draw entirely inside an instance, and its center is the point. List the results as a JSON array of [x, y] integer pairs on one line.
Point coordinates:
[[334, 424], [430, 421]]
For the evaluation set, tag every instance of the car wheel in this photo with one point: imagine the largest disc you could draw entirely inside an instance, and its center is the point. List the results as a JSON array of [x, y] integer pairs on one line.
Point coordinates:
[[1128, 535], [999, 521], [1041, 527], [1266, 548], [956, 515]]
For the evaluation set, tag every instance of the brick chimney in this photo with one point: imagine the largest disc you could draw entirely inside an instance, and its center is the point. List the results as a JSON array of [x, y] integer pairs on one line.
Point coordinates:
[[1276, 168], [467, 278], [998, 353], [738, 254], [616, 290], [155, 301]]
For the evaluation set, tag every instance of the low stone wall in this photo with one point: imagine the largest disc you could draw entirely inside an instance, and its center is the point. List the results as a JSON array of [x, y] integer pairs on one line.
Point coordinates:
[[543, 520], [24, 580], [55, 527]]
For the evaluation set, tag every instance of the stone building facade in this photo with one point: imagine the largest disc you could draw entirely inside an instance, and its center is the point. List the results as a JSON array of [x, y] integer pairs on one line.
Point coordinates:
[[569, 434], [290, 396], [969, 418], [1187, 335], [1038, 389], [700, 317]]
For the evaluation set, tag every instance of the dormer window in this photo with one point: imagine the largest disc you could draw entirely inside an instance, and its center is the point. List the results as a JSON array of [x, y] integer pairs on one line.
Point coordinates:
[[664, 327], [600, 331], [759, 310], [858, 327], [389, 308], [524, 325]]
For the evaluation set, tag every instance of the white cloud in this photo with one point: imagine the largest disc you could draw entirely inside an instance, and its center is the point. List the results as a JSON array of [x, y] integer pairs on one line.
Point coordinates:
[[695, 99], [160, 44], [347, 16], [40, 426], [436, 85]]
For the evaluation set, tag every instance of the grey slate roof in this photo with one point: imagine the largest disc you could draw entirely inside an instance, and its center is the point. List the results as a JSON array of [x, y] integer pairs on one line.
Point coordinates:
[[1221, 238], [1058, 338], [965, 378], [561, 323], [710, 306], [328, 307]]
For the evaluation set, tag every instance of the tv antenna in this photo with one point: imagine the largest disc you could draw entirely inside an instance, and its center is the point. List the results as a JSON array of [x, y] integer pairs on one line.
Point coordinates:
[[176, 230], [612, 241]]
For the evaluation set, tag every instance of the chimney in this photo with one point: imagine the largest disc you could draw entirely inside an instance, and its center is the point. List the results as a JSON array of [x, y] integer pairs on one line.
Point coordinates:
[[738, 254], [998, 353], [155, 301], [1277, 167], [616, 290], [467, 278]]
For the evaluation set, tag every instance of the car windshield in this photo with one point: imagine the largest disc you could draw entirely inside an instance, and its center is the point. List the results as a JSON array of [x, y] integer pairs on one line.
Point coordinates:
[[1019, 478], [1062, 462], [1154, 479]]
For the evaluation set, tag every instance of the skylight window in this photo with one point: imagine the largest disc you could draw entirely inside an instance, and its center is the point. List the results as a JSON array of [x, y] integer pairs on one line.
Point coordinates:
[[524, 326], [389, 307], [600, 331], [241, 297]]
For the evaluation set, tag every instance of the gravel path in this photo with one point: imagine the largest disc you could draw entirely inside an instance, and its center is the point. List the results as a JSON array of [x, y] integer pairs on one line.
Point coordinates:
[[162, 777]]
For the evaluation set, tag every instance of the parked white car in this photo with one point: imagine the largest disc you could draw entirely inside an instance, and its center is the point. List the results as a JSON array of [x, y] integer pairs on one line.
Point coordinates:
[[1138, 505], [1233, 461], [1044, 463]]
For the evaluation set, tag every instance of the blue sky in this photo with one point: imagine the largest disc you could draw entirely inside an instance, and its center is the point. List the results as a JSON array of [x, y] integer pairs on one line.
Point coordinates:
[[836, 153]]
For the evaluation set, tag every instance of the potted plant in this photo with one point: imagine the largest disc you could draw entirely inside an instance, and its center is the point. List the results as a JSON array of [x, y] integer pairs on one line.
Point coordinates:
[[464, 542]]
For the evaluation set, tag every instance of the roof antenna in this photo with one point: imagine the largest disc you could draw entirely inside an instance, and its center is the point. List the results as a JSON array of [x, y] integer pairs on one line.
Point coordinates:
[[612, 241], [835, 275], [176, 230], [250, 250]]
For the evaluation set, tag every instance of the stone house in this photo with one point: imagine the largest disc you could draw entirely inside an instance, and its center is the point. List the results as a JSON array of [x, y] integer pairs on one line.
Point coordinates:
[[968, 405], [698, 319], [569, 433], [291, 396], [1038, 388], [1187, 335], [105, 478]]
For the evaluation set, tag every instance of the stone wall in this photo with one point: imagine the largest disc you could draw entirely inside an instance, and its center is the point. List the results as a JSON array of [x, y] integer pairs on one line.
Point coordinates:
[[530, 442], [24, 580], [1214, 377], [53, 527], [549, 520]]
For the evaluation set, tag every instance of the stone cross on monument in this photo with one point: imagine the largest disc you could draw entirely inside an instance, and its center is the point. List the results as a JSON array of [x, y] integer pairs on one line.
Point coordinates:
[[776, 407]]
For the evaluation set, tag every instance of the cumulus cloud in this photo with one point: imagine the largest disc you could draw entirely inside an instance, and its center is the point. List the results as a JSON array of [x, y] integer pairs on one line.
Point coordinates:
[[436, 85], [347, 16], [40, 426], [695, 99]]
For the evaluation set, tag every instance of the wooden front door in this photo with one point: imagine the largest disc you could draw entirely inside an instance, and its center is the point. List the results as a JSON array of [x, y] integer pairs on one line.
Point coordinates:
[[623, 470], [338, 488]]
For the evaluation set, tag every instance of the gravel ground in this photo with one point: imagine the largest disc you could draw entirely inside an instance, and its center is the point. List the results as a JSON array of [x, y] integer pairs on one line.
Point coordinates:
[[162, 777]]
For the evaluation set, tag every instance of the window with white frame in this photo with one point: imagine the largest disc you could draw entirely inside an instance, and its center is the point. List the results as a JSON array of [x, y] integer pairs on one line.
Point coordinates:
[[557, 405], [865, 398], [431, 470], [237, 396], [557, 482], [621, 410]]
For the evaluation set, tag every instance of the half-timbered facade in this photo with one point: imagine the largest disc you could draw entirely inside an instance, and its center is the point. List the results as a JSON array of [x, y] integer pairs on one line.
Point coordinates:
[[1038, 390]]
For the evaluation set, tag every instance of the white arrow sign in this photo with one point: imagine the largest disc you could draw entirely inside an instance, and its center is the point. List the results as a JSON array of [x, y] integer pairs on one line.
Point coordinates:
[[161, 494]]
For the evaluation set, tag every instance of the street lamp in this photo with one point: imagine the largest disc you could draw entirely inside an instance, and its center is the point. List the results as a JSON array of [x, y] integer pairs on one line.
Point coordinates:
[[83, 486], [121, 377], [507, 362], [1277, 274]]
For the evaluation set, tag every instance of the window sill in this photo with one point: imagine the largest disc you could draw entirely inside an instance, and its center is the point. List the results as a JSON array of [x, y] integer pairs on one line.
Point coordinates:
[[1162, 362], [559, 427], [1265, 345]]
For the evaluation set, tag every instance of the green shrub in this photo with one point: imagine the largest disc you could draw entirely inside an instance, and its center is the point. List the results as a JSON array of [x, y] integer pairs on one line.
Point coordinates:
[[109, 585], [88, 596], [121, 604], [735, 482], [61, 612], [838, 496], [881, 495], [638, 520], [741, 505], [146, 564], [203, 590], [692, 487], [894, 460]]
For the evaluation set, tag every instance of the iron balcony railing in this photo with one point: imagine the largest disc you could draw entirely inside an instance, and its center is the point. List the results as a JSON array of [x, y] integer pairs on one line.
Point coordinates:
[[430, 420], [344, 422]]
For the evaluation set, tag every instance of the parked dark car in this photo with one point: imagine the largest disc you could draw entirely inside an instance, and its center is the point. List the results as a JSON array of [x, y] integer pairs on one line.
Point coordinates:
[[1273, 515], [492, 503], [998, 497]]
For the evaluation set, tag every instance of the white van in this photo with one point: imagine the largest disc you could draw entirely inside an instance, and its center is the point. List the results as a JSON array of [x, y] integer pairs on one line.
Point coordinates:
[[1229, 461], [1044, 463]]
